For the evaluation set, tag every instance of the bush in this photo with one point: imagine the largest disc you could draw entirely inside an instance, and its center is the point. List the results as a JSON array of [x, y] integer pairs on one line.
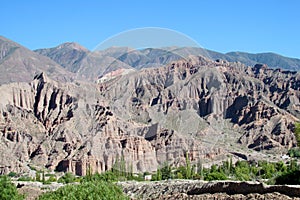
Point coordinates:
[[106, 176], [86, 190], [25, 178], [291, 178], [166, 172], [215, 176], [51, 179], [294, 152], [12, 174], [242, 171], [67, 178], [8, 190], [297, 133]]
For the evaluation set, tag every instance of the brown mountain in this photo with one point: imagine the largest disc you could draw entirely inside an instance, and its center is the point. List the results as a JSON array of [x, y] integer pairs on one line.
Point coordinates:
[[91, 65], [68, 55], [86, 64], [19, 64], [208, 109]]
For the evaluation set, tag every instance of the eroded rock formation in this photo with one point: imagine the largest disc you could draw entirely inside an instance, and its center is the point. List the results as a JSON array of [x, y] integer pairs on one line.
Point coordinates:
[[147, 118]]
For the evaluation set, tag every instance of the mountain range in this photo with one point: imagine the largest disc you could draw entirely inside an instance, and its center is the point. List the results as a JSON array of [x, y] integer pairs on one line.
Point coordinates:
[[76, 58], [69, 109]]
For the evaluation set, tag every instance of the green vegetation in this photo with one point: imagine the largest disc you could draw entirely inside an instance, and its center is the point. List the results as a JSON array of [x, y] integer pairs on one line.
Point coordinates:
[[12, 174], [96, 186], [8, 190], [67, 178], [292, 173], [25, 178], [294, 152], [241, 170], [291, 178], [86, 190], [297, 133]]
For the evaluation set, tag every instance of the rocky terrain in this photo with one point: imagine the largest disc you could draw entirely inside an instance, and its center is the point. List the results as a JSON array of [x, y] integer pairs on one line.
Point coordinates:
[[207, 109], [179, 189], [19, 64], [182, 189]]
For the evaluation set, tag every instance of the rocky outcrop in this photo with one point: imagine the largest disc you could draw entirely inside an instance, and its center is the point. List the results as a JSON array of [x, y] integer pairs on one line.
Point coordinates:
[[195, 107], [214, 90]]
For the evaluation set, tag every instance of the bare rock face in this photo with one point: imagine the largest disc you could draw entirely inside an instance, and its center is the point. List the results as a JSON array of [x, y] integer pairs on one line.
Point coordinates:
[[138, 121]]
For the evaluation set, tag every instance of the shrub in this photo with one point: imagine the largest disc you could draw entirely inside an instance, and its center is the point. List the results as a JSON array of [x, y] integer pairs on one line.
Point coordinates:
[[166, 172], [86, 190], [297, 133], [8, 190], [215, 176], [25, 178], [291, 178], [242, 171], [294, 152], [106, 176], [38, 176], [67, 178], [52, 179], [12, 174]]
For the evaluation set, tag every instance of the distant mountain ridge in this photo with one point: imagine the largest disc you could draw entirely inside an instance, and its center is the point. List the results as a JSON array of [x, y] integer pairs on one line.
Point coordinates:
[[273, 60], [72, 57], [71, 61]]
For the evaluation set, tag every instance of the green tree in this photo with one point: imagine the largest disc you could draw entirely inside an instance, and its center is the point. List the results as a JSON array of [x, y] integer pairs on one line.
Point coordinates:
[[8, 190], [158, 175], [293, 165], [291, 178], [67, 178], [297, 133], [200, 169], [281, 167], [43, 177], [230, 164], [268, 170], [242, 171], [38, 176], [116, 168], [214, 168], [188, 166], [123, 166], [166, 172], [89, 172]]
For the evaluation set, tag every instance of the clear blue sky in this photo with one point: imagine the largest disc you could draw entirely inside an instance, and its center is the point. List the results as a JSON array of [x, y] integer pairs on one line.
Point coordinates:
[[220, 25]]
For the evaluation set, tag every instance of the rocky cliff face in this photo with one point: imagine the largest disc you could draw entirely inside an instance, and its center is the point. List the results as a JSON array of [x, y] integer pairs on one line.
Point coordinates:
[[195, 106]]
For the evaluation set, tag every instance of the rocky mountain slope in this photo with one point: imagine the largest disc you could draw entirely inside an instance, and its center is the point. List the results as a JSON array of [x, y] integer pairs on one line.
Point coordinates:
[[196, 106], [87, 65], [76, 58], [19, 64]]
